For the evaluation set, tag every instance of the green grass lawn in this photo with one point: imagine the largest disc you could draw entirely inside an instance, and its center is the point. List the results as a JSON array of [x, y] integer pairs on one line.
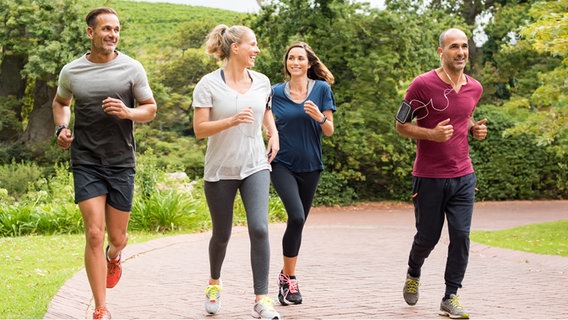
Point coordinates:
[[33, 268], [544, 238]]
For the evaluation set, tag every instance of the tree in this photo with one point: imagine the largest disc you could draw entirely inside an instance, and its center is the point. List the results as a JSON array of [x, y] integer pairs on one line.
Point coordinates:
[[548, 36], [37, 38], [372, 54]]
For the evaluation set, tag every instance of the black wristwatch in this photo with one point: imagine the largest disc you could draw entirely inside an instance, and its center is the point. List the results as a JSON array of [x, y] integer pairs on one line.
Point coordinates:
[[324, 120], [58, 129]]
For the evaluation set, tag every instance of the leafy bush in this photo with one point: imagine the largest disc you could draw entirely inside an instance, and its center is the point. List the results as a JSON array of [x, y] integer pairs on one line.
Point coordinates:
[[515, 167], [334, 190], [169, 210], [16, 177], [163, 202]]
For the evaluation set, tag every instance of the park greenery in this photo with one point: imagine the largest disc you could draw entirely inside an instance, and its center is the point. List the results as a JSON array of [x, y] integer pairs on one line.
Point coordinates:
[[373, 54]]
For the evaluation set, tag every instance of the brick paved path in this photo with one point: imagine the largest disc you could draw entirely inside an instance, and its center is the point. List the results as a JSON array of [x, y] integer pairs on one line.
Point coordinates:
[[352, 265]]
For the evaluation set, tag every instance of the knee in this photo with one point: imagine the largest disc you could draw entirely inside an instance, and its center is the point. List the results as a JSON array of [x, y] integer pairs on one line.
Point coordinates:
[[258, 233], [459, 236], [426, 242], [118, 240], [94, 237], [221, 239], [296, 221]]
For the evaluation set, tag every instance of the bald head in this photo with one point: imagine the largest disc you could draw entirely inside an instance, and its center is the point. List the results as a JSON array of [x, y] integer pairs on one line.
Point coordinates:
[[450, 32]]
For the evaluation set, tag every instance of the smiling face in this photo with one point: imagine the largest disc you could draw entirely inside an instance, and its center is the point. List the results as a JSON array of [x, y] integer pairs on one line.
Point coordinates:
[[454, 51], [105, 34], [297, 63], [246, 50]]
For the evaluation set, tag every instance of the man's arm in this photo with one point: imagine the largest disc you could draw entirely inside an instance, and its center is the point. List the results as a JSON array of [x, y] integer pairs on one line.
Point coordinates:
[[144, 112], [61, 117], [442, 132], [61, 110]]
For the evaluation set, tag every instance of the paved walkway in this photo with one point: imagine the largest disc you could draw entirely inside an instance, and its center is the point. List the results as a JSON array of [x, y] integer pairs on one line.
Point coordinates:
[[352, 265]]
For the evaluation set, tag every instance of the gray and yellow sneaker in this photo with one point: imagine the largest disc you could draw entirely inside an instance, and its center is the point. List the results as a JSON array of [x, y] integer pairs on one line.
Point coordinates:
[[264, 309], [213, 298], [410, 289], [452, 308]]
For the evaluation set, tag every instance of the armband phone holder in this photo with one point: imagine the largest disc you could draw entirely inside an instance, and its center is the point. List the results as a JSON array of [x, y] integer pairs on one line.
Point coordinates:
[[404, 113]]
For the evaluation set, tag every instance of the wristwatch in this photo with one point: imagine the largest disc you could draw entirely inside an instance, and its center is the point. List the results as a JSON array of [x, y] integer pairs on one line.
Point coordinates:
[[324, 120], [58, 129]]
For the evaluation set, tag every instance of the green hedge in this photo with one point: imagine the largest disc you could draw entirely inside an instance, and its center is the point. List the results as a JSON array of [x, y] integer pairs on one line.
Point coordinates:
[[515, 167]]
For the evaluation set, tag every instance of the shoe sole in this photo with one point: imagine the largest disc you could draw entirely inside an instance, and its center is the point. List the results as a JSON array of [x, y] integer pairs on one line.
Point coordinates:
[[453, 316], [411, 304], [256, 315], [285, 302]]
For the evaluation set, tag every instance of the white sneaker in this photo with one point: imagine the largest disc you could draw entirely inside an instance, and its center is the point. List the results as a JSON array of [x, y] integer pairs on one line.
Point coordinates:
[[264, 309], [213, 298]]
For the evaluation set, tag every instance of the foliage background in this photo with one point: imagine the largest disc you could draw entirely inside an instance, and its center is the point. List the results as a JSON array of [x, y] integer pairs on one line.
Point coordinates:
[[373, 54]]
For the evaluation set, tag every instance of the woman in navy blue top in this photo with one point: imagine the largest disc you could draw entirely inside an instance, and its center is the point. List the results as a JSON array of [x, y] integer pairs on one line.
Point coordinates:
[[303, 107]]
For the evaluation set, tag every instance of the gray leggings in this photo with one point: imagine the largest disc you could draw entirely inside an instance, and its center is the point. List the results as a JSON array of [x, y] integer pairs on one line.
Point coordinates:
[[220, 199]]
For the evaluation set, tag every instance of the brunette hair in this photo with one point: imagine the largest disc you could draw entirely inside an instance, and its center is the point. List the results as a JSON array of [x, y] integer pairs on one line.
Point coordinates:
[[219, 40], [93, 14], [317, 70]]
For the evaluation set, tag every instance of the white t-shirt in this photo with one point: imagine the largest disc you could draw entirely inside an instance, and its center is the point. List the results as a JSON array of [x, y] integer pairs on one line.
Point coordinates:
[[237, 152]]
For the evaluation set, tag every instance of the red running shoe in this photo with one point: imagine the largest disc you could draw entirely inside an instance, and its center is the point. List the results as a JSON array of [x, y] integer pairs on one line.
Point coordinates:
[[101, 313], [114, 270]]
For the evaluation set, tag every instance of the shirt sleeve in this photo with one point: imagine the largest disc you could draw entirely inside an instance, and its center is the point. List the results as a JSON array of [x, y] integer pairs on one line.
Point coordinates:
[[63, 87], [202, 96], [328, 99], [141, 89]]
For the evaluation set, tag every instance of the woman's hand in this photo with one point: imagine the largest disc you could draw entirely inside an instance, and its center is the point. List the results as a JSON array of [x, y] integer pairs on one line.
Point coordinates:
[[313, 111]]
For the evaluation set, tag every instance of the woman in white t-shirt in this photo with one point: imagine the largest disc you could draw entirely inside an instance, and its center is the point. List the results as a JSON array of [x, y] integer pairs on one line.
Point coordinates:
[[230, 106]]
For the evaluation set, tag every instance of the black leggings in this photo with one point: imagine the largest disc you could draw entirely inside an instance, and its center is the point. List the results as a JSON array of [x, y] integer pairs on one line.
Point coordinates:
[[297, 192]]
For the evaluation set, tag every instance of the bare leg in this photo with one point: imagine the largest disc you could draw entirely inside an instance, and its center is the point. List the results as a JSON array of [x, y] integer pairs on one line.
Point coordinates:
[[290, 266], [117, 226], [93, 211]]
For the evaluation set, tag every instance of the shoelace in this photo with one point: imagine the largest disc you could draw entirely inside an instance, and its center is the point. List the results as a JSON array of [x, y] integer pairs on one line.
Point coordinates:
[[101, 313], [212, 291], [266, 303], [292, 283], [113, 266], [455, 302], [412, 285]]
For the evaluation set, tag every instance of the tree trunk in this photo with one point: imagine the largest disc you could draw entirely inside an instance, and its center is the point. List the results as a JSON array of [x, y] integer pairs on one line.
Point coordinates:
[[40, 127], [12, 85]]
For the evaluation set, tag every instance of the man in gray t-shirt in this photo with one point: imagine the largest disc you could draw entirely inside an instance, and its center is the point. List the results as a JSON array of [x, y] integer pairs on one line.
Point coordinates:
[[111, 92]]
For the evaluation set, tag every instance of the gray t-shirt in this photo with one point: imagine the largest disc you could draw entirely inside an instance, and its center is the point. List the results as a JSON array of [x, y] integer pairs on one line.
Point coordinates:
[[101, 139], [239, 151]]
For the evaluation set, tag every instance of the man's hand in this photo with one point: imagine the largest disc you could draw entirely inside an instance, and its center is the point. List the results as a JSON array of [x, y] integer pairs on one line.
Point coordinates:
[[442, 132], [65, 138], [115, 107], [479, 130]]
